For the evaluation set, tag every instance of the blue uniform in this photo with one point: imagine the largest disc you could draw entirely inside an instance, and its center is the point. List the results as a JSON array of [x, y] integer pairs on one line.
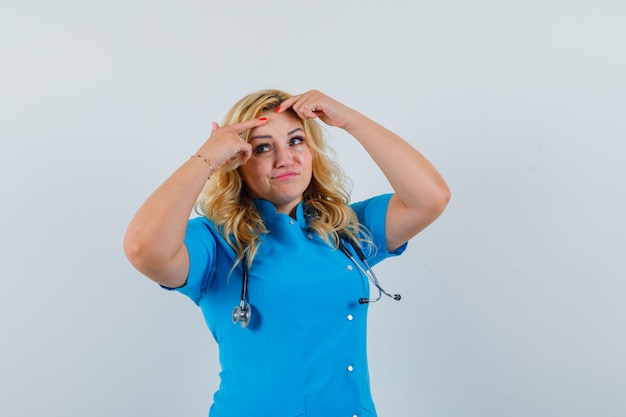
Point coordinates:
[[304, 351]]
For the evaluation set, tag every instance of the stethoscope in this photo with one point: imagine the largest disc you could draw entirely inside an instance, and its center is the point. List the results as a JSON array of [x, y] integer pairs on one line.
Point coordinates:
[[243, 312]]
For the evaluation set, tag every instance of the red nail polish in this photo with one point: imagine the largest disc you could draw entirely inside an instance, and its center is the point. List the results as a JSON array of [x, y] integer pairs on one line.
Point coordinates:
[[263, 119], [277, 110]]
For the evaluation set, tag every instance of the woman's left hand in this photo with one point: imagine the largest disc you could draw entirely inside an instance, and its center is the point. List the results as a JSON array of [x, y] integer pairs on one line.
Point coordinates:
[[315, 104], [421, 193]]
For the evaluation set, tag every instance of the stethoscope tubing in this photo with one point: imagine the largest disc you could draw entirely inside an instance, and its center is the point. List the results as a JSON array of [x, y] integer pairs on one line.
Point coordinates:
[[368, 271], [242, 313]]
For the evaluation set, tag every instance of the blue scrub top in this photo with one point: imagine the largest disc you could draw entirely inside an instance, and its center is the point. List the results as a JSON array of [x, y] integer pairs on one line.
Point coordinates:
[[304, 351]]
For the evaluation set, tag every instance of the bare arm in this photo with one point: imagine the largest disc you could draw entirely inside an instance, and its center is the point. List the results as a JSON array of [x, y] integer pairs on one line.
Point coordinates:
[[421, 193], [154, 240]]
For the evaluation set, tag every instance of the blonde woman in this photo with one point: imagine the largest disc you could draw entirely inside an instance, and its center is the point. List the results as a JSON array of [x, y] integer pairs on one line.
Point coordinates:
[[279, 259]]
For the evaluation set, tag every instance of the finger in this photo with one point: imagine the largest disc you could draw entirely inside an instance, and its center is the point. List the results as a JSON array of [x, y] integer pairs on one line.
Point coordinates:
[[312, 111], [287, 103], [242, 155], [248, 124], [246, 154], [303, 107], [306, 109]]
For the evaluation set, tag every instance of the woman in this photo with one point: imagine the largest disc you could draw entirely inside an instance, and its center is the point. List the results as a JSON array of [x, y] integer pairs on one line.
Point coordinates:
[[275, 211]]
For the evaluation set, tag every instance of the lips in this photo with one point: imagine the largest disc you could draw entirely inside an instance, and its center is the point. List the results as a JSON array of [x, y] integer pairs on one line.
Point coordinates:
[[285, 175]]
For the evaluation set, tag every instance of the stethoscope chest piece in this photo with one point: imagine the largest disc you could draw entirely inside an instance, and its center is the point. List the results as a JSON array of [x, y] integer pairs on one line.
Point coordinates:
[[242, 313]]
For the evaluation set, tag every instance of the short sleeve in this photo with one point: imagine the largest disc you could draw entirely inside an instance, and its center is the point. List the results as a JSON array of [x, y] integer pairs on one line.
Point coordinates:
[[372, 214], [200, 241]]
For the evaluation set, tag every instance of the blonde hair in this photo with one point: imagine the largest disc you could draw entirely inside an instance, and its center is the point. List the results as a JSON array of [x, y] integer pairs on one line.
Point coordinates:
[[225, 200]]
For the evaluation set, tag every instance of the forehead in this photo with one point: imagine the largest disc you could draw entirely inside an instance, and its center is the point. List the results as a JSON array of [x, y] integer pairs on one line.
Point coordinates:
[[278, 124]]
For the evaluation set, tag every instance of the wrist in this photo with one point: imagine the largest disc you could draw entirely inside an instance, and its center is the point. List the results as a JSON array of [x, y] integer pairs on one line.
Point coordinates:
[[355, 122], [212, 165]]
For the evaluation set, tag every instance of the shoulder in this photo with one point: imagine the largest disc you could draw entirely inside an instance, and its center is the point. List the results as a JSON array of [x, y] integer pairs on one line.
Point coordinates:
[[200, 228], [203, 233], [374, 205], [200, 223]]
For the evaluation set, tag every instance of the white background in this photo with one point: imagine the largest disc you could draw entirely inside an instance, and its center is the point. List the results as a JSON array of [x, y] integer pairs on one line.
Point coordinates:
[[513, 301]]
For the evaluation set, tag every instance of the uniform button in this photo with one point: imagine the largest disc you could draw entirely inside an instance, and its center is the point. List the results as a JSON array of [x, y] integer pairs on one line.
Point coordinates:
[[310, 236], [349, 267], [350, 368], [291, 222], [349, 317], [354, 415]]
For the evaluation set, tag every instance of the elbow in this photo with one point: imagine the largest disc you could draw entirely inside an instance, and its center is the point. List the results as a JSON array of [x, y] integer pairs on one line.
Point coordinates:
[[445, 196], [140, 253], [134, 251], [155, 262], [440, 199]]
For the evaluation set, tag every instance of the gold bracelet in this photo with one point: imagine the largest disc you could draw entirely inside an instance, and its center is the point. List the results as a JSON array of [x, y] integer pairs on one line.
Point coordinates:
[[205, 161]]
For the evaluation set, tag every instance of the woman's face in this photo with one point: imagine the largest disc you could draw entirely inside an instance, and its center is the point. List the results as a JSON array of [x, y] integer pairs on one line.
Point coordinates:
[[280, 168]]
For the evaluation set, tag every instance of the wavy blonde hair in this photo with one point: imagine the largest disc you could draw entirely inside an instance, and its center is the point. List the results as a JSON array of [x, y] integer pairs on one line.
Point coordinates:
[[226, 202]]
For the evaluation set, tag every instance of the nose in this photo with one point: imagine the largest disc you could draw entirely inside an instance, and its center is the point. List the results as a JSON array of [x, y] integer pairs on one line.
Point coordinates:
[[284, 156]]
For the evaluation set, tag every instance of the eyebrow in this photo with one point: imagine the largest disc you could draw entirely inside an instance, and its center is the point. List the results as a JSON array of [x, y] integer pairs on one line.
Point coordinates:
[[291, 132]]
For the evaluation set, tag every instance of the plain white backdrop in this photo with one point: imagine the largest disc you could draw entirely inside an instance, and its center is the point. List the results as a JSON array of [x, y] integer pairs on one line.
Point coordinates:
[[513, 301]]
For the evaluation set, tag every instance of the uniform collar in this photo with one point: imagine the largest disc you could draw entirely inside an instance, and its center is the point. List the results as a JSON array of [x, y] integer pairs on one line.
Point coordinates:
[[267, 210]]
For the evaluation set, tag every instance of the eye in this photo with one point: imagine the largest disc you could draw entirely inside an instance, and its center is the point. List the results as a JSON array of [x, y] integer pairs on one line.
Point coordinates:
[[262, 148], [296, 140]]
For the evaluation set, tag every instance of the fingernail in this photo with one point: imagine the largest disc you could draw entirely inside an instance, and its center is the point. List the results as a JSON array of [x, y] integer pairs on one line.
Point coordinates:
[[263, 119], [277, 110]]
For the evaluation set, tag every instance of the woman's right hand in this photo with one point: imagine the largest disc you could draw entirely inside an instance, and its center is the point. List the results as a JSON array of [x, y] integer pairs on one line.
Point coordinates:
[[225, 144], [154, 241]]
